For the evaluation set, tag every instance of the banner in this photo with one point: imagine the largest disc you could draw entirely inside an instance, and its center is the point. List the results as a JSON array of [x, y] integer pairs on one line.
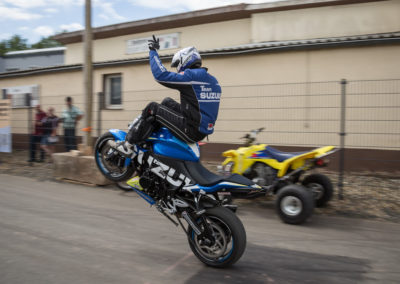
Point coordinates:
[[5, 126], [139, 45]]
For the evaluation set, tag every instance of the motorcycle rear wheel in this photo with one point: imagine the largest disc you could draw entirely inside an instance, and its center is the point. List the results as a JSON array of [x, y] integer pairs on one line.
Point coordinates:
[[230, 239], [111, 169]]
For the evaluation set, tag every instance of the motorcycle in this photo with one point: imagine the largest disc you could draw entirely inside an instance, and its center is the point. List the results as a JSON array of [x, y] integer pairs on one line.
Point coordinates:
[[279, 172], [171, 177]]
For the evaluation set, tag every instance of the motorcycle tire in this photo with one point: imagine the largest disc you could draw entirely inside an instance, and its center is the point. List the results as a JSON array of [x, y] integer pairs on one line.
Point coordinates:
[[109, 170], [229, 231], [294, 204], [321, 187]]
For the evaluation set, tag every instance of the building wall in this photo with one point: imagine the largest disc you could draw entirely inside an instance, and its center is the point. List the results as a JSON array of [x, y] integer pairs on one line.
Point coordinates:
[[2, 65], [21, 62], [323, 22], [206, 36], [255, 94]]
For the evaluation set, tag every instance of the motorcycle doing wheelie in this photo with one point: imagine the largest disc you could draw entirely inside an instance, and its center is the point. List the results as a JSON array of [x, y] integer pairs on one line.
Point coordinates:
[[171, 177], [280, 172]]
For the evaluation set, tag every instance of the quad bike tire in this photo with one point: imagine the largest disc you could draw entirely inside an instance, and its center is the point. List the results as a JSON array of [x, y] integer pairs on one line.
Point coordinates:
[[321, 187], [294, 204]]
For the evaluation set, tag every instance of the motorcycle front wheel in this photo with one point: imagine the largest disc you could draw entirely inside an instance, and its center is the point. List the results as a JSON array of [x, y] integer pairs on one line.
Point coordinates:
[[111, 164], [229, 238]]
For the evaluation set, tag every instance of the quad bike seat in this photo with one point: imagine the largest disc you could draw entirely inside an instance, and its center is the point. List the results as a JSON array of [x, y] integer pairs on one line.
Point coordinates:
[[279, 155], [206, 178]]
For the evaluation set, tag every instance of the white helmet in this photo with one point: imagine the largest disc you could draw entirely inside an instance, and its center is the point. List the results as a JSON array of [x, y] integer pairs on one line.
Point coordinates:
[[186, 58]]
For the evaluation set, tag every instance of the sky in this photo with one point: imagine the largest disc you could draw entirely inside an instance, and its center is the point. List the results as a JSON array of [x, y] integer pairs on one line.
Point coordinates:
[[33, 19]]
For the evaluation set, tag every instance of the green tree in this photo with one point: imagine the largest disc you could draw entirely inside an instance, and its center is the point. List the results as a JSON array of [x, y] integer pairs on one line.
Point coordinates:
[[16, 42], [3, 47], [46, 42]]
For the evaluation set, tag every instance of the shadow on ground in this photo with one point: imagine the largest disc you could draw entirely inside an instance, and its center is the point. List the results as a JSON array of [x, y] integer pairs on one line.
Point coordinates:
[[276, 265]]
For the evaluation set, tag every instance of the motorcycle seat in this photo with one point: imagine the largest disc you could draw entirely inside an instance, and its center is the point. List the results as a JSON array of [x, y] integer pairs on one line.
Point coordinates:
[[279, 155], [206, 178]]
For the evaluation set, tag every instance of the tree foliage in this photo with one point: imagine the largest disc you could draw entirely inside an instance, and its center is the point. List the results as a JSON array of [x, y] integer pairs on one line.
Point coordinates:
[[17, 42]]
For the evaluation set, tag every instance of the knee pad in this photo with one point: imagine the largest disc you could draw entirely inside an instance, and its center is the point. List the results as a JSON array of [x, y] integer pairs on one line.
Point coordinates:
[[140, 130], [150, 110]]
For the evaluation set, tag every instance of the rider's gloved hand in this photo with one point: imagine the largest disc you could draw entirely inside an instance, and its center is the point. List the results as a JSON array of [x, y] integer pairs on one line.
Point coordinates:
[[154, 44]]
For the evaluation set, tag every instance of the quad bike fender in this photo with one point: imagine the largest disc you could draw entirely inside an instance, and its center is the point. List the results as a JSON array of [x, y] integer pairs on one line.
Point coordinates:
[[298, 161], [324, 151]]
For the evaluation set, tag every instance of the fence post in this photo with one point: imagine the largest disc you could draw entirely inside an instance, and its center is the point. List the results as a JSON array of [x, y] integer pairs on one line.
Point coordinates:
[[100, 107], [342, 134], [28, 102]]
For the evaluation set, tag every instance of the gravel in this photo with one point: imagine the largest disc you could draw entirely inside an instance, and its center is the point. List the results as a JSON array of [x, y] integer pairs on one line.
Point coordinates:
[[366, 195]]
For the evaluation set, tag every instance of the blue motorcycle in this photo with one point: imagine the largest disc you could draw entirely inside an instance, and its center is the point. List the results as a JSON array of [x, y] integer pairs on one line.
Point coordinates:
[[171, 177]]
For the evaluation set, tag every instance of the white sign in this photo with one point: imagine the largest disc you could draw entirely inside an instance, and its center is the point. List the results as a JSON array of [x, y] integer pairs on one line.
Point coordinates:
[[5, 126], [18, 95], [139, 45]]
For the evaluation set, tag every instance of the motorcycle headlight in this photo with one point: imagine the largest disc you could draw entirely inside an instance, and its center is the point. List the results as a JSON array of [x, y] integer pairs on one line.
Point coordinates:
[[228, 168]]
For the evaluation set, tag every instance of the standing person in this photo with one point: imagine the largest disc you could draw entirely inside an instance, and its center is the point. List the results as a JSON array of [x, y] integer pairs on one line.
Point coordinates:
[[194, 117], [49, 138], [36, 136], [70, 117]]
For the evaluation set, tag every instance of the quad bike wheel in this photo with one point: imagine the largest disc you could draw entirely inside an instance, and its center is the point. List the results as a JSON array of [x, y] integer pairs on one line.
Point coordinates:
[[321, 187], [294, 204]]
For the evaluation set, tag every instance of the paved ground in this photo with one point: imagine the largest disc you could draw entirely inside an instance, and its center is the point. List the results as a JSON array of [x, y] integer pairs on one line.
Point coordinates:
[[366, 195], [64, 233]]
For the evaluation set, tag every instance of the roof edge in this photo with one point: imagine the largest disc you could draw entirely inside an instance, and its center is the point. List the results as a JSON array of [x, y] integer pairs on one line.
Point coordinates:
[[317, 43], [212, 15]]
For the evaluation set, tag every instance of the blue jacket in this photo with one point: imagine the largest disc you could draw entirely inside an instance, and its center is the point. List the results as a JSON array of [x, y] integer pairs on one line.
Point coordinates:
[[200, 93]]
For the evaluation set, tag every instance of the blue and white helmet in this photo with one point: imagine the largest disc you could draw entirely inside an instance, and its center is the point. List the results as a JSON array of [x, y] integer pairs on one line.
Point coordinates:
[[186, 58]]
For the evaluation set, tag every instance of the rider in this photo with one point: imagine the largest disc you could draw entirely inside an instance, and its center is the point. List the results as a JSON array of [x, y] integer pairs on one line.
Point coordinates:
[[191, 120]]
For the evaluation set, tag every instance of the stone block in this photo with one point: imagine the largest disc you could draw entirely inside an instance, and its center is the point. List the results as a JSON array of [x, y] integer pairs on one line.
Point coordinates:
[[78, 168]]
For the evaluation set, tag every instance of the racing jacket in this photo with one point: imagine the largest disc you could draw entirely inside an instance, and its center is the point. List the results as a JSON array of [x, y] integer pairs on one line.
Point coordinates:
[[200, 93]]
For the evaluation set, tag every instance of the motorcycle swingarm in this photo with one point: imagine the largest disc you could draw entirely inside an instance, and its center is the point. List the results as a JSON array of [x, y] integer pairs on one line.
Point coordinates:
[[249, 193]]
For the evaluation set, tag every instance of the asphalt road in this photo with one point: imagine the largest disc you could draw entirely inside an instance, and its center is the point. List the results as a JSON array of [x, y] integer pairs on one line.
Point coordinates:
[[65, 233]]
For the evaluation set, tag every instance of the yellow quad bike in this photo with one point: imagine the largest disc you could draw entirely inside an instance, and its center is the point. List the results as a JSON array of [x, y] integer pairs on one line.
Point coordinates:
[[280, 173]]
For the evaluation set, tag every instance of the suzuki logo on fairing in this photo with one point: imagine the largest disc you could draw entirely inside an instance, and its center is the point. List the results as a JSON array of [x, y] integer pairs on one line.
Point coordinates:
[[163, 171]]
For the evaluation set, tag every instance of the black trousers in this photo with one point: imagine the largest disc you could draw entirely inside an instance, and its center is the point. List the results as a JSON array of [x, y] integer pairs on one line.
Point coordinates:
[[169, 114], [69, 139], [33, 141]]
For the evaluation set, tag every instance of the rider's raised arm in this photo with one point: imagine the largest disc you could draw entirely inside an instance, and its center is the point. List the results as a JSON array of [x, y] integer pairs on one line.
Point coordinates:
[[165, 77]]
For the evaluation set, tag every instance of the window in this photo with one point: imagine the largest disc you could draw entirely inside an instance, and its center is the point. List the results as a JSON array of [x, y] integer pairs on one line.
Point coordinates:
[[113, 90], [19, 95]]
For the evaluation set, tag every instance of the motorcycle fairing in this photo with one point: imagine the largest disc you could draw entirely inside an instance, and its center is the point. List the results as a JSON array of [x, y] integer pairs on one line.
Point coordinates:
[[192, 175], [166, 144], [118, 134]]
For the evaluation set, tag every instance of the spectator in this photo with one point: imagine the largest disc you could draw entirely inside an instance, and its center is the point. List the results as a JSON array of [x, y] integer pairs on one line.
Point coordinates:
[[70, 117], [36, 136], [49, 139]]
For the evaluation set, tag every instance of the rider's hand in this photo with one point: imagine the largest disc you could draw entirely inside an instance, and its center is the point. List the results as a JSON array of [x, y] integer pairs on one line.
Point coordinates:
[[154, 44]]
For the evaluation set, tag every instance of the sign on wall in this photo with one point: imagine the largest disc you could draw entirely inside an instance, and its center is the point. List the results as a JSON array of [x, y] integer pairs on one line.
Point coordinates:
[[139, 45], [5, 126], [18, 95]]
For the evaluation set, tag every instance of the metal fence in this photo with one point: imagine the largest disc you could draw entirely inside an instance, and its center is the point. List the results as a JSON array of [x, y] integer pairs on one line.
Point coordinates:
[[360, 117]]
